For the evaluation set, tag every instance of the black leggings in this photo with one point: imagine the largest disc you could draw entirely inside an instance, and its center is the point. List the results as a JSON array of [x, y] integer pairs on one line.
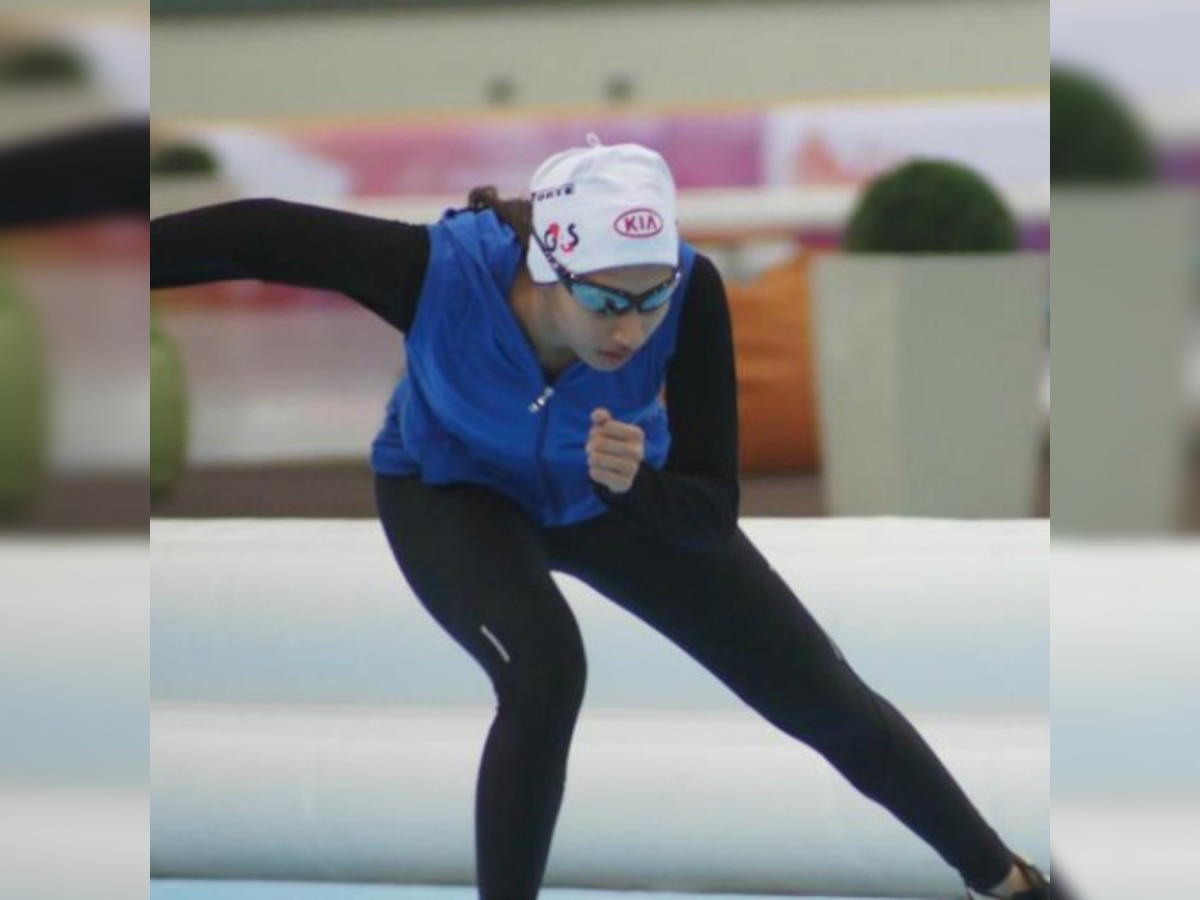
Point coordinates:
[[482, 569]]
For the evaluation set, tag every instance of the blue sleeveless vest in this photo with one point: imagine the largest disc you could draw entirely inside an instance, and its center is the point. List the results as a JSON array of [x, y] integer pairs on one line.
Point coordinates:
[[474, 405]]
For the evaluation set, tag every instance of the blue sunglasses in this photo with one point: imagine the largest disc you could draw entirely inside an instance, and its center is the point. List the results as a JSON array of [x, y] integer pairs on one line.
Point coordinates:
[[606, 300]]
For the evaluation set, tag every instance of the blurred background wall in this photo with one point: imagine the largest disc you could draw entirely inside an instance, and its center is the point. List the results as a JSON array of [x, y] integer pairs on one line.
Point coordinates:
[[466, 55], [44, 8]]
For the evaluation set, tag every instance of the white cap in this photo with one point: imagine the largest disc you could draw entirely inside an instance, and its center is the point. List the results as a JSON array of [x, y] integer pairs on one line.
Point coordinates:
[[599, 207]]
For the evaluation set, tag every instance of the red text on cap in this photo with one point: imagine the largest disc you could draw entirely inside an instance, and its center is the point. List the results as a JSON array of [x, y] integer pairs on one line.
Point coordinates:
[[638, 223]]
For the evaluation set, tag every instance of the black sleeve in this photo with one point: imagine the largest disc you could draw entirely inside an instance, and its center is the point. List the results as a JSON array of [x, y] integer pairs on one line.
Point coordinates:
[[694, 500], [91, 172], [376, 262]]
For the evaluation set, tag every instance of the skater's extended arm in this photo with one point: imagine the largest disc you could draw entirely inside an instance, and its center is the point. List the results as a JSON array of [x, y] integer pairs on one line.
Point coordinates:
[[377, 262]]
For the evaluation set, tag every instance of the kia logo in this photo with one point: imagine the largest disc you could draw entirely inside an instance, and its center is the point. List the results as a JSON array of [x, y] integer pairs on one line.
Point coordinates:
[[638, 223]]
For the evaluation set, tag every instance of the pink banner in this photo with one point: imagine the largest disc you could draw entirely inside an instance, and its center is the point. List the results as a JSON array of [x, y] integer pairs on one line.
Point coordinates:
[[451, 157]]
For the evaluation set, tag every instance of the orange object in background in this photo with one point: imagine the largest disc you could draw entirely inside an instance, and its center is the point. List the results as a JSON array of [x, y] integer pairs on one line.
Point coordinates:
[[774, 346]]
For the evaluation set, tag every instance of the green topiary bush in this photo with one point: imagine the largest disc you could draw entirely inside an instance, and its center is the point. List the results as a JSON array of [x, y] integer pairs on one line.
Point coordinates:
[[168, 412], [42, 65], [183, 159], [24, 404], [1094, 137], [934, 207]]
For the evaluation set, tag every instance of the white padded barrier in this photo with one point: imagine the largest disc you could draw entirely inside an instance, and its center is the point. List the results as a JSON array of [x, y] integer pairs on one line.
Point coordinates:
[[72, 842], [74, 660], [317, 612], [310, 722], [689, 801]]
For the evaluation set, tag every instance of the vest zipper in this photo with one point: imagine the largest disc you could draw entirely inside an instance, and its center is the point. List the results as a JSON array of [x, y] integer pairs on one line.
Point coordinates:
[[539, 406], [540, 403]]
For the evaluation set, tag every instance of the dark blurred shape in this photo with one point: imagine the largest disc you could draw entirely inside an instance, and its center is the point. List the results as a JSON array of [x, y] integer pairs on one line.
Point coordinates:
[[501, 90], [99, 170], [620, 88], [1095, 138], [42, 65], [183, 158], [933, 207]]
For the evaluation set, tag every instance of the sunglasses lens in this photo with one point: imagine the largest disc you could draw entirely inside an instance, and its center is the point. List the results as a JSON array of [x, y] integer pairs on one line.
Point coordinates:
[[659, 297], [600, 300]]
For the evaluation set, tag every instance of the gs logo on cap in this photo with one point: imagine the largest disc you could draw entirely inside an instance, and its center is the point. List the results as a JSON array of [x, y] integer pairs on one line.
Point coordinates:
[[564, 240], [638, 223]]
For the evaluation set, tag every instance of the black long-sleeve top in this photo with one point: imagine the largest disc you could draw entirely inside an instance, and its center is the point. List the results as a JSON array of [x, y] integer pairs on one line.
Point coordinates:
[[85, 173], [381, 265]]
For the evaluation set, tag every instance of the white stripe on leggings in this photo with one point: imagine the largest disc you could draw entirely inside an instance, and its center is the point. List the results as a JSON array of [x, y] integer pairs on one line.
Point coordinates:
[[496, 643]]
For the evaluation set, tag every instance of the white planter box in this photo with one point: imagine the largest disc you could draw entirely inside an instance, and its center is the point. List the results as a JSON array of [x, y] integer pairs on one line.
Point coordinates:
[[928, 379], [1125, 279]]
